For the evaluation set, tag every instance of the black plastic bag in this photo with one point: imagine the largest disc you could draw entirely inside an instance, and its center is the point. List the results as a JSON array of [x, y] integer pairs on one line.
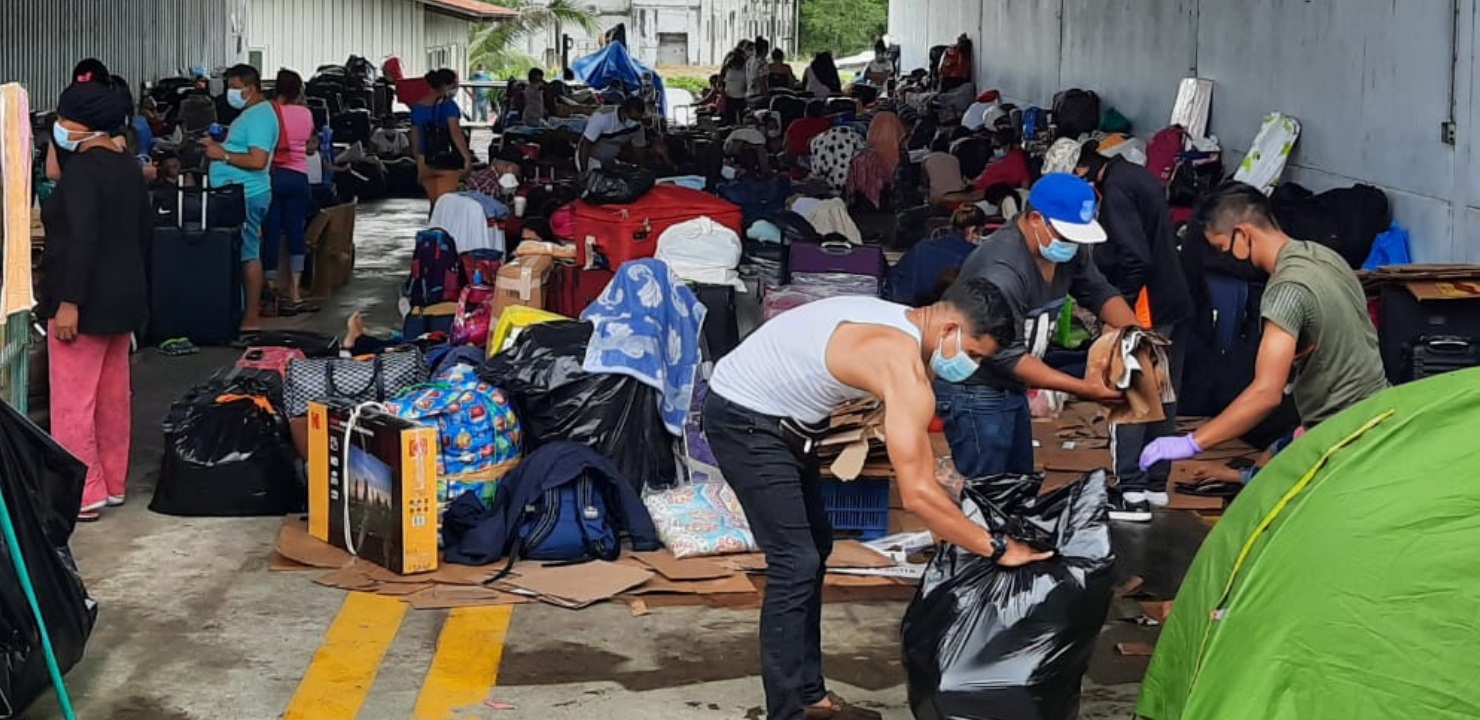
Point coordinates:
[[228, 457], [617, 184], [983, 642], [43, 490], [556, 400]]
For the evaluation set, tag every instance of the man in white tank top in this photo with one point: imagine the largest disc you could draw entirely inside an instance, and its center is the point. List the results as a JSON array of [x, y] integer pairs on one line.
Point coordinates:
[[791, 374]]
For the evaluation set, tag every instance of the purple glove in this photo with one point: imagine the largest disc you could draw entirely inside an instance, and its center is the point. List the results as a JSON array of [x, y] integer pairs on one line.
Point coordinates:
[[1169, 448]]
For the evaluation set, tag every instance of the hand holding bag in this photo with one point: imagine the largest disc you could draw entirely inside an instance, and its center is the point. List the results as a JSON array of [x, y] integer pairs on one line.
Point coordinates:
[[376, 379]]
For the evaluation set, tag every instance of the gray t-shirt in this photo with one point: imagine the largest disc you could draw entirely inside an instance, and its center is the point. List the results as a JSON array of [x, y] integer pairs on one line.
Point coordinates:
[[1005, 260], [1314, 296]]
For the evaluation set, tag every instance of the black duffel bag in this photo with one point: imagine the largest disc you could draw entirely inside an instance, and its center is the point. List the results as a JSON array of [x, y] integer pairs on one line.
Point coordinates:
[[617, 184]]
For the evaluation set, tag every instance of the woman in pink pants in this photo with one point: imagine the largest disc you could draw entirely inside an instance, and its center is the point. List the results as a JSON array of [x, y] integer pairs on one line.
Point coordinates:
[[94, 289]]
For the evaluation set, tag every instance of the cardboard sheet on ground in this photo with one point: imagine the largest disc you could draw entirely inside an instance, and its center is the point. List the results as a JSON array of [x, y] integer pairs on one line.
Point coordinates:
[[440, 597], [294, 543], [576, 586], [673, 568]]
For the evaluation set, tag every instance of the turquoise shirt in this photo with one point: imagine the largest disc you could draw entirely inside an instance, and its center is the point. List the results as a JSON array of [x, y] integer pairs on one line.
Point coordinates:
[[256, 127]]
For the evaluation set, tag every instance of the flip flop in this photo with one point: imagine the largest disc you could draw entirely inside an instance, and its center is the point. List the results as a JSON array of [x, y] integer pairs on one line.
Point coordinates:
[[303, 307], [1211, 487]]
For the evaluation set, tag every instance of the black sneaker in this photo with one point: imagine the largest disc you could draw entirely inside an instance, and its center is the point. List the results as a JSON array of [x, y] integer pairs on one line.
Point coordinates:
[[1130, 507]]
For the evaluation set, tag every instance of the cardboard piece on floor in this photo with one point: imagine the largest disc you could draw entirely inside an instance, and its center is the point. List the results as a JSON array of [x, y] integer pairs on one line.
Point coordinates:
[[440, 597], [402, 589], [1135, 649], [683, 570], [294, 543], [1183, 473], [281, 563], [454, 574], [853, 554], [1157, 610], [732, 583], [577, 586], [351, 577], [845, 580], [746, 562]]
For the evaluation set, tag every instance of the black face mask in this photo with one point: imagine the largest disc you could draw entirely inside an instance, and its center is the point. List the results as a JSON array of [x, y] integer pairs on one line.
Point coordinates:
[[1232, 251]]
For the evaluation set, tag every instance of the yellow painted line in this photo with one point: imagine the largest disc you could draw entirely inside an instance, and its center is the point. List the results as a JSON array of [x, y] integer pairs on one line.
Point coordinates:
[[344, 668], [466, 664]]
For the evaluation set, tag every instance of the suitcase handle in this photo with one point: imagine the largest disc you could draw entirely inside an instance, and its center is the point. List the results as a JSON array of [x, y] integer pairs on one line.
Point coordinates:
[[833, 247], [1447, 345]]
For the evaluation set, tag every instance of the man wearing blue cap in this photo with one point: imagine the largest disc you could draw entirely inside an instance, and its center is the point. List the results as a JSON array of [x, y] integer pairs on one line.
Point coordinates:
[[1037, 260]]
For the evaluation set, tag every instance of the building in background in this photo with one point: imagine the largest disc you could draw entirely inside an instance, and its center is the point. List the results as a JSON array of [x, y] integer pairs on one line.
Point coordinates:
[[676, 32], [141, 40], [425, 34]]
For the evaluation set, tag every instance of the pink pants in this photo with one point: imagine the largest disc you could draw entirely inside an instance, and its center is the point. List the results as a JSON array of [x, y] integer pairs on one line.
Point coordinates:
[[92, 408]]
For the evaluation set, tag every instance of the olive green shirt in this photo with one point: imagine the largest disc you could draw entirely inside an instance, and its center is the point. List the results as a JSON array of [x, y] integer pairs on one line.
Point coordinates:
[[1314, 296]]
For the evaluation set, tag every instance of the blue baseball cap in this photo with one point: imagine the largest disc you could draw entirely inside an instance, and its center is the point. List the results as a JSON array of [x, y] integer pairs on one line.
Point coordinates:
[[1070, 205]]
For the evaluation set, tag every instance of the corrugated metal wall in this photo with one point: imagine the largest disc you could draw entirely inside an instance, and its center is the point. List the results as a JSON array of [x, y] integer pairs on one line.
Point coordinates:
[[42, 40], [1370, 81], [450, 34], [304, 34]]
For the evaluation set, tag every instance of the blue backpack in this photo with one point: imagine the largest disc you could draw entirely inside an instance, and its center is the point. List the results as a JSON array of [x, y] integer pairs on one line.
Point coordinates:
[[568, 523], [436, 270]]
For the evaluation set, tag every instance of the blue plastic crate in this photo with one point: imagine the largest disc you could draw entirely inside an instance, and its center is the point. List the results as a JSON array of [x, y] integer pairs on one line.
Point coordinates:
[[858, 508]]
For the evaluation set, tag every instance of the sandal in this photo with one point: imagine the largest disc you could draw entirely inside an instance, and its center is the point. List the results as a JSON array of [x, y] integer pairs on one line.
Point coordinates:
[[177, 347], [1210, 488], [302, 307]]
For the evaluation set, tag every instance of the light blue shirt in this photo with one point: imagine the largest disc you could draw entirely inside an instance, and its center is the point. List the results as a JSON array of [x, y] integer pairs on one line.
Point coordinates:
[[256, 127]]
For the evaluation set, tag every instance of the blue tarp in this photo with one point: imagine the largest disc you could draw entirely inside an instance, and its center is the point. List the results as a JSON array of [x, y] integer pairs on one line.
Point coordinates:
[[613, 62]]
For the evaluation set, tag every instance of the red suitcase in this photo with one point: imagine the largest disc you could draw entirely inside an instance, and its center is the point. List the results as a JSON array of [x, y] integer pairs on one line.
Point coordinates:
[[630, 232], [571, 288]]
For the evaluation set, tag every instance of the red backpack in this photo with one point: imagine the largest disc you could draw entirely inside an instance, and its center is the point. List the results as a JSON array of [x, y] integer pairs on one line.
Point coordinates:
[[1162, 152]]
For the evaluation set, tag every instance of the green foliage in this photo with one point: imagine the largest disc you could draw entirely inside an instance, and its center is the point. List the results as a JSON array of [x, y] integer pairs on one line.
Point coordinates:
[[493, 45], [695, 84], [844, 27]]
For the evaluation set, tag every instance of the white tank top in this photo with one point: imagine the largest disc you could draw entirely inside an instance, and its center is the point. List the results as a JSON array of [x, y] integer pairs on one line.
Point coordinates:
[[781, 369]]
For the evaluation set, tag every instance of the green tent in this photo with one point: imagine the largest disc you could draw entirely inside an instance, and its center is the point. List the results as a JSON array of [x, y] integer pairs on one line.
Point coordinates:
[[1345, 580]]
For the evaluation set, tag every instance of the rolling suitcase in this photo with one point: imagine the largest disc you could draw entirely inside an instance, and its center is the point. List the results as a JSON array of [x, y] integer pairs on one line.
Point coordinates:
[[195, 280], [721, 323], [834, 256], [631, 231], [573, 288]]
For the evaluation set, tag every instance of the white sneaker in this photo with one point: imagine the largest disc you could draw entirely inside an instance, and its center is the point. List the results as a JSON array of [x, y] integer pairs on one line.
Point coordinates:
[[1130, 507], [1157, 499], [115, 500]]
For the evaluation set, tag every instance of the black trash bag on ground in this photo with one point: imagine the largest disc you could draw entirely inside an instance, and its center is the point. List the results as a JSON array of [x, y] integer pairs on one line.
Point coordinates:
[[617, 184], [313, 344], [228, 453], [42, 483], [983, 642], [557, 400]]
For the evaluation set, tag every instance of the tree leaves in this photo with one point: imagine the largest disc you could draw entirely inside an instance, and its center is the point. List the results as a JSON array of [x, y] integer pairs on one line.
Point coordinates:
[[493, 45], [843, 27]]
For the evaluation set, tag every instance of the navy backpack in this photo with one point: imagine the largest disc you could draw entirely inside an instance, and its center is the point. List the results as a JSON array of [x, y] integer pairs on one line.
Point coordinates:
[[436, 270], [568, 523]]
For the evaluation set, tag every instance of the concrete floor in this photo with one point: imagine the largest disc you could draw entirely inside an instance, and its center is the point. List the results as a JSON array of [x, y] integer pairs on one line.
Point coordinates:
[[192, 625]]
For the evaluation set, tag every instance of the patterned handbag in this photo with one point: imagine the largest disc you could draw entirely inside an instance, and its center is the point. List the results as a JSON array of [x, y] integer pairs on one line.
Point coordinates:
[[377, 378]]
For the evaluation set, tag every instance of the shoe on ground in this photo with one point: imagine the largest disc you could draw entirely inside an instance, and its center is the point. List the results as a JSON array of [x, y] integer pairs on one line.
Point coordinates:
[[1130, 507], [839, 710], [1157, 499], [115, 500]]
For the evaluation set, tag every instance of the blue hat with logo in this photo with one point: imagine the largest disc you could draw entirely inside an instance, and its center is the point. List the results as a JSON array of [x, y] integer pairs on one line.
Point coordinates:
[[1070, 205]]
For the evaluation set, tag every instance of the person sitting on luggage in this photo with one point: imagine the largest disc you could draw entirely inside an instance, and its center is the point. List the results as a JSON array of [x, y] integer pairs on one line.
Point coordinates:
[[93, 289], [916, 277], [610, 132], [766, 399], [1009, 163], [1140, 259], [388, 142], [244, 159], [713, 95], [941, 169], [880, 70], [781, 76], [800, 132], [1037, 259], [437, 139], [1316, 326]]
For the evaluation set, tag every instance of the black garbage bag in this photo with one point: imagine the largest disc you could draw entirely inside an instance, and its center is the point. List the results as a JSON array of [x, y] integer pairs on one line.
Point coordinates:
[[617, 184], [983, 642], [557, 400], [43, 491], [228, 452]]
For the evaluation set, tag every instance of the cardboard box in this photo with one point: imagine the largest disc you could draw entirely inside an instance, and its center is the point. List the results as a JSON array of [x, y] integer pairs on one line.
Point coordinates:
[[384, 483], [521, 282]]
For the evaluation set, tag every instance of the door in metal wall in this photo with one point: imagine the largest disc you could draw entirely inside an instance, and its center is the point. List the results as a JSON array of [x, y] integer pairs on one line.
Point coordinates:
[[673, 49]]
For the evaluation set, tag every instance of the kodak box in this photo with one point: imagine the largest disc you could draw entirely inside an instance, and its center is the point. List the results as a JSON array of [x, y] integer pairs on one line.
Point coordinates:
[[386, 473]]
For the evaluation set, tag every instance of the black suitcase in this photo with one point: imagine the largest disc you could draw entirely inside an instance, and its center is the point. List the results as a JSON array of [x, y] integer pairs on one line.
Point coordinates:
[[195, 282], [721, 325], [352, 126], [1439, 354]]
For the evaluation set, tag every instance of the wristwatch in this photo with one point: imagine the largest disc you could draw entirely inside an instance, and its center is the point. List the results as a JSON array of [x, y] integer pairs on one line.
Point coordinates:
[[999, 547]]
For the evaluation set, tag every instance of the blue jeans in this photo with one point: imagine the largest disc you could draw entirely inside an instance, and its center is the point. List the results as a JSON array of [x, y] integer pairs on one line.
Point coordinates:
[[990, 431], [288, 215]]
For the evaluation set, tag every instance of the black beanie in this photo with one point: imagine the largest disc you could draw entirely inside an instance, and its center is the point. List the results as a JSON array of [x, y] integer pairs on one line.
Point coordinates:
[[97, 105]]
